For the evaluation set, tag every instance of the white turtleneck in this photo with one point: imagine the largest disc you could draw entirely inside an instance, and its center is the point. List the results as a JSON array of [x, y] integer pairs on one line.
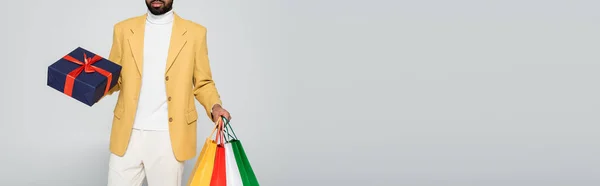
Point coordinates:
[[152, 112]]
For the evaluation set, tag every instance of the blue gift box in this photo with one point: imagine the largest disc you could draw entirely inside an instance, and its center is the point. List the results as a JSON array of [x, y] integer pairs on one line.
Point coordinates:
[[89, 85]]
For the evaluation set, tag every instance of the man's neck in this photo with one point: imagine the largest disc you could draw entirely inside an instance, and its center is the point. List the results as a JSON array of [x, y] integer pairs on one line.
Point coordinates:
[[165, 18]]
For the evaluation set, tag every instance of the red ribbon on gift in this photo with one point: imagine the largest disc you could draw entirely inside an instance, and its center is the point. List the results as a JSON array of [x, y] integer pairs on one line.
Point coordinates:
[[88, 67]]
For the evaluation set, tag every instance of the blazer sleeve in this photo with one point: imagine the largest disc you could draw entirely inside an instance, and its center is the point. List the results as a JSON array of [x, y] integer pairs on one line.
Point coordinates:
[[116, 56], [204, 89]]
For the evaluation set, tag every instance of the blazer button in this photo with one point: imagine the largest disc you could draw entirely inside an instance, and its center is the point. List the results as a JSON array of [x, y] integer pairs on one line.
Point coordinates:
[[167, 78], [170, 119], [169, 98]]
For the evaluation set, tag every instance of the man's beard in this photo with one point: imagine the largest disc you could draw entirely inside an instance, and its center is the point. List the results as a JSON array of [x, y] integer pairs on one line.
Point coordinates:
[[161, 10]]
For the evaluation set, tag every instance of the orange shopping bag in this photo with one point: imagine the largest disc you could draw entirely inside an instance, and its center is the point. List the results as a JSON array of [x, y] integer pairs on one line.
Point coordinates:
[[203, 170]]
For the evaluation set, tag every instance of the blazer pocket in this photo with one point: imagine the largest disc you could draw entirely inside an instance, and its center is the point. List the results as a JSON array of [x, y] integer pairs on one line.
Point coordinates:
[[191, 116]]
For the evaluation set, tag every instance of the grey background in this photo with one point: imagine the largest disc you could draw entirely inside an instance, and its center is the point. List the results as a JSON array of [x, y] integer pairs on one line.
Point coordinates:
[[334, 92]]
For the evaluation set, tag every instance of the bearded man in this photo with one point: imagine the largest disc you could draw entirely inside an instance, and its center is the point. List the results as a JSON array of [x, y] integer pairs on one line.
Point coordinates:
[[165, 66]]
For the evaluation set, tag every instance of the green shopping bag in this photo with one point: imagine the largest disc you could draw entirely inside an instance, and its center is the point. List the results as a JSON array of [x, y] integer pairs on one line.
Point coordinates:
[[243, 164]]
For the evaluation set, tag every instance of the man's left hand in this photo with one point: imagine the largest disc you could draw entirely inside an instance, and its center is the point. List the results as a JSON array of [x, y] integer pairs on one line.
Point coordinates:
[[218, 112]]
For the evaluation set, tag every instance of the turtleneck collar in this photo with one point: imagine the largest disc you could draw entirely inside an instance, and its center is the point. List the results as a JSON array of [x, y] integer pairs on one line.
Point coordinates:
[[166, 18]]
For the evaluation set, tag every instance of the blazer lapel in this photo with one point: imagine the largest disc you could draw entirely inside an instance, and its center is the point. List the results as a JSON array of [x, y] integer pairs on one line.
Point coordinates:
[[136, 42], [178, 40]]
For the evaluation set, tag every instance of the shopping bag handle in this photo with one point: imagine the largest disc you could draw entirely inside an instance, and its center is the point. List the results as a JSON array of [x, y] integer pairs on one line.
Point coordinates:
[[219, 136], [214, 129], [230, 129], [228, 137]]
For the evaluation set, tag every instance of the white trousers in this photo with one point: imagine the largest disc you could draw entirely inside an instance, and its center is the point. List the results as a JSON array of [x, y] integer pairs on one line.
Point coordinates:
[[149, 155]]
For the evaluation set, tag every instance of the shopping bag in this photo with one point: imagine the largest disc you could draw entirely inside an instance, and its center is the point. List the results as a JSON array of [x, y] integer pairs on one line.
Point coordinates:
[[202, 172], [233, 173], [219, 176], [243, 164]]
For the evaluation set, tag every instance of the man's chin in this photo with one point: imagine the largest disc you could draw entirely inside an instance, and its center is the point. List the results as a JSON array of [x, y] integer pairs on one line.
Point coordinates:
[[157, 11]]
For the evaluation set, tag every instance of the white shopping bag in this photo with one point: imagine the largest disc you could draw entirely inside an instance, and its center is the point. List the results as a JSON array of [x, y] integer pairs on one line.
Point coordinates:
[[232, 171]]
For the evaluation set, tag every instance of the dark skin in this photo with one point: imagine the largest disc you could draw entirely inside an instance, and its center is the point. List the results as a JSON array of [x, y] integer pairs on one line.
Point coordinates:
[[219, 112], [159, 7]]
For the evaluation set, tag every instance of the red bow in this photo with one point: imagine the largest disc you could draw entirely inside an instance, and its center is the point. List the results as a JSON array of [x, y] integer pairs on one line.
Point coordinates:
[[88, 67]]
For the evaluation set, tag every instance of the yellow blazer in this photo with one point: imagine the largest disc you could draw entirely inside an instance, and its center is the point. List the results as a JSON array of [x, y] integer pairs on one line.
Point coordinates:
[[187, 76]]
